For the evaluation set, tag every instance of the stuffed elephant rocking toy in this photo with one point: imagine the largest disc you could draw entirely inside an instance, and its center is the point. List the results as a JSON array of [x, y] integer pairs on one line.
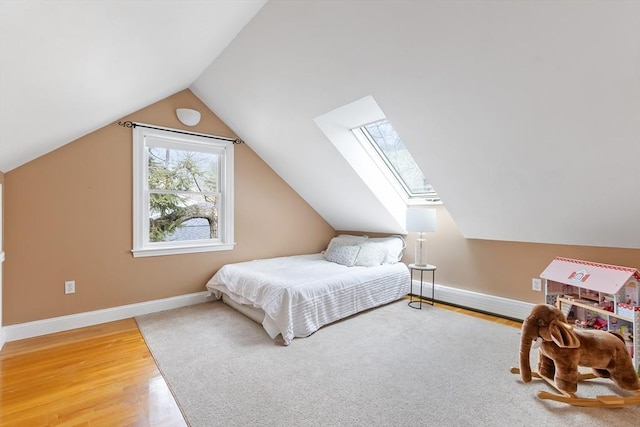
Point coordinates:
[[565, 348]]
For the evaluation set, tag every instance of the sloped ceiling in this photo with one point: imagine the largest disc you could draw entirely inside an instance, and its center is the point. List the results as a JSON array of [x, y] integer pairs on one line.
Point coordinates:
[[524, 115], [68, 68]]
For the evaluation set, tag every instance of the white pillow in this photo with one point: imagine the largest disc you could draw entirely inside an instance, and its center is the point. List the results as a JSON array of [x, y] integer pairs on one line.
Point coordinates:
[[371, 254], [394, 246], [342, 254], [346, 239]]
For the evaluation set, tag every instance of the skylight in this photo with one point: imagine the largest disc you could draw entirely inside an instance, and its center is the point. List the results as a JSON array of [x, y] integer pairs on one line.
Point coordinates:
[[386, 147]]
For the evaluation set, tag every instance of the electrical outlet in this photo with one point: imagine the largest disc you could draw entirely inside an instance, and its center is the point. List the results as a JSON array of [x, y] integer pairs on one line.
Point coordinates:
[[70, 287], [536, 284]]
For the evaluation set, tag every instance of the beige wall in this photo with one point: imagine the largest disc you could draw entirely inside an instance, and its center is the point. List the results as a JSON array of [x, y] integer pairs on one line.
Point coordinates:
[[69, 217], [1, 207], [502, 268], [1, 251], [1, 224]]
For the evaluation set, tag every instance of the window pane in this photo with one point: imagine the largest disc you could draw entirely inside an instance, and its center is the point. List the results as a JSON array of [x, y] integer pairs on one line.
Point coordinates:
[[192, 229], [171, 169], [179, 216], [398, 158]]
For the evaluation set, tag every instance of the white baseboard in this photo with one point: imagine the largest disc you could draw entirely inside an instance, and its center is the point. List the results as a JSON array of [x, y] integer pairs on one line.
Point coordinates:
[[505, 307], [89, 318], [477, 301]]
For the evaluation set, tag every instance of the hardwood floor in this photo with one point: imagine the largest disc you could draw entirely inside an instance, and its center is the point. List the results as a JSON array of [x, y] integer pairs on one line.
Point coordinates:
[[501, 320], [480, 315], [101, 375]]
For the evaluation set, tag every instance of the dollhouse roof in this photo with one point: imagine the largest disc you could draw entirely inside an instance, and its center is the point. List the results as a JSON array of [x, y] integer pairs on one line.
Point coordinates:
[[589, 275]]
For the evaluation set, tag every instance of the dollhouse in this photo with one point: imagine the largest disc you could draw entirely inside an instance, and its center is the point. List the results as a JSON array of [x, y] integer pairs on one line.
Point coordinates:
[[599, 296]]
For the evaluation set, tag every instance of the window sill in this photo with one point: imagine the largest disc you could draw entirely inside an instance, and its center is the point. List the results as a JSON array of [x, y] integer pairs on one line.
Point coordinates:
[[179, 250], [423, 202]]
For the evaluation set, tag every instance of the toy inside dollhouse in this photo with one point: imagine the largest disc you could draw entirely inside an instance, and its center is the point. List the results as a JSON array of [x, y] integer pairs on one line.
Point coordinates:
[[597, 296]]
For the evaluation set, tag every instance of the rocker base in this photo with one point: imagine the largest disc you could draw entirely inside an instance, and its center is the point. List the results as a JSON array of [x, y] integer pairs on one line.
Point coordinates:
[[604, 401]]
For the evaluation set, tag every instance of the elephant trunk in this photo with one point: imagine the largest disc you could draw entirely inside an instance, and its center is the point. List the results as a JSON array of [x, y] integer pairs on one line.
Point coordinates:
[[528, 336]]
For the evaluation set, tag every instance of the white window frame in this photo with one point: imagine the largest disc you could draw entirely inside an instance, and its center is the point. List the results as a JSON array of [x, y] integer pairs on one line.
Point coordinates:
[[147, 135]]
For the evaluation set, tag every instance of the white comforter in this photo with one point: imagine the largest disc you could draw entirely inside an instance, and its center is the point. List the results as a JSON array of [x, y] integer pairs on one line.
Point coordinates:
[[301, 293]]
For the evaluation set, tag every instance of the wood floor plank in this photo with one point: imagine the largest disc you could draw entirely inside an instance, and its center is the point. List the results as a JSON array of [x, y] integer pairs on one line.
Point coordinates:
[[100, 375], [478, 314], [485, 316]]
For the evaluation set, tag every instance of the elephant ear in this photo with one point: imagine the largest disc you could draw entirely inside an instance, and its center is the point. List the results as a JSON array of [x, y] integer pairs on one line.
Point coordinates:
[[562, 334]]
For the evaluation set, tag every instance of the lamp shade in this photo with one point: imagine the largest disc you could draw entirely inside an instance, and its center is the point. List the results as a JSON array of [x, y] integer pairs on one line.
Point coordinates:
[[421, 220]]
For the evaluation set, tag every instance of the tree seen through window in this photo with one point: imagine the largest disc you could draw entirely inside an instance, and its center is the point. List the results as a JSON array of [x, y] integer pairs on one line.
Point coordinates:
[[183, 194]]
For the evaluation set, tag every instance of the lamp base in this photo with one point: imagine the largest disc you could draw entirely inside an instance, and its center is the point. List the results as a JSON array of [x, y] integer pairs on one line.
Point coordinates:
[[421, 251]]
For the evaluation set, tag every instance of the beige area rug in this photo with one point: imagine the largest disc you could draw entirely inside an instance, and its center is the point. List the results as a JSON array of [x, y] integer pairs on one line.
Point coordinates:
[[390, 366]]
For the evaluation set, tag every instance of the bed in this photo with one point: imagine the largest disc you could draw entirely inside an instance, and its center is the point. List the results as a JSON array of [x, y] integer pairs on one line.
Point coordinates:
[[296, 295]]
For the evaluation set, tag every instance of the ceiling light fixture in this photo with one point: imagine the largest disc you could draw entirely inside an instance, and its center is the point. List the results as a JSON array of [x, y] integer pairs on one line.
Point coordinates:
[[188, 116]]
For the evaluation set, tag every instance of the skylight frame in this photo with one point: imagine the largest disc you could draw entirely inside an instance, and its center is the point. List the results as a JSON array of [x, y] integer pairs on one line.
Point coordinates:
[[370, 145]]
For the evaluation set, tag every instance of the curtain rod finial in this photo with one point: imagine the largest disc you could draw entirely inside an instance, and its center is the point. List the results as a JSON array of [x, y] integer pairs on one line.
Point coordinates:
[[127, 124]]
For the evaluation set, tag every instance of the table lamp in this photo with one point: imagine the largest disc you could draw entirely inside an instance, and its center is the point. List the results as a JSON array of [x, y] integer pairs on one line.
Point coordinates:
[[421, 220]]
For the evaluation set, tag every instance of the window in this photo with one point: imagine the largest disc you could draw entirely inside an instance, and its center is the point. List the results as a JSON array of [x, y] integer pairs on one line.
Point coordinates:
[[183, 193], [386, 147]]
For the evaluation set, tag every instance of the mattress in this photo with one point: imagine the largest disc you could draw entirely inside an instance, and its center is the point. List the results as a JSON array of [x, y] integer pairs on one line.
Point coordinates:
[[301, 293]]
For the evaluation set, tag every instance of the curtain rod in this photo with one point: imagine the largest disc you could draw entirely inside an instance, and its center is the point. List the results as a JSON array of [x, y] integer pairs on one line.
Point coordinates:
[[129, 124]]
